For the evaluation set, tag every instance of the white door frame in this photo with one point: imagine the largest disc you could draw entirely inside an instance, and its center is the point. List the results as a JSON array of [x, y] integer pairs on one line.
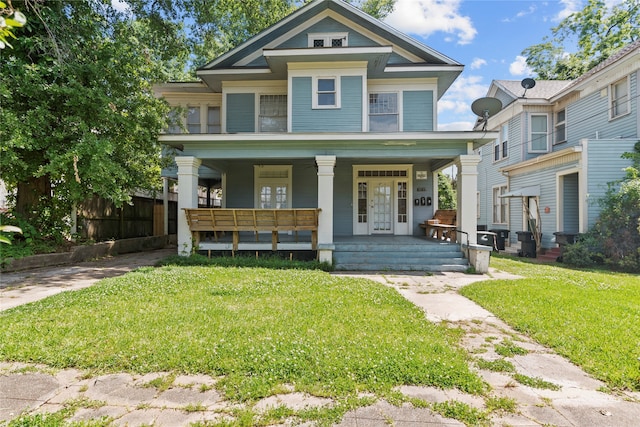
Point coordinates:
[[392, 174]]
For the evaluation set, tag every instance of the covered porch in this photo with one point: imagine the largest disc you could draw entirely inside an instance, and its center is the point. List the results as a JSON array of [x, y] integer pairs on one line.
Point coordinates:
[[363, 186]]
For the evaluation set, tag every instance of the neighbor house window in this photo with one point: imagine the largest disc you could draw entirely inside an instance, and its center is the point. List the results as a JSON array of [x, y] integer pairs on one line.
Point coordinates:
[[539, 135], [500, 149], [213, 120], [619, 98], [327, 40], [383, 112], [326, 92], [500, 205], [561, 127], [273, 113], [193, 119], [272, 186]]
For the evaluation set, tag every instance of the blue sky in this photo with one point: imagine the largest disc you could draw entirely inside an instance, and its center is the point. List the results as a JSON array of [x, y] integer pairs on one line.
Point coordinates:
[[487, 36]]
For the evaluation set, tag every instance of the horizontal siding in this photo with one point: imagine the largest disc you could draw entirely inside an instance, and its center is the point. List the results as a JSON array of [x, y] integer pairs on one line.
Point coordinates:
[[605, 165], [241, 112], [348, 118], [417, 110]]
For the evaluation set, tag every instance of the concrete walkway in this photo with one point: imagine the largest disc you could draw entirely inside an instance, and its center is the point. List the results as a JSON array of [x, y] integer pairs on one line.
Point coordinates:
[[132, 400]]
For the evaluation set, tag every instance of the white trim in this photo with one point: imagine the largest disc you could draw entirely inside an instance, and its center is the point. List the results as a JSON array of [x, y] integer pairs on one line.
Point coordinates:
[[530, 136], [422, 68], [327, 39], [610, 98], [398, 228], [277, 53], [258, 182], [504, 201], [315, 92], [560, 196]]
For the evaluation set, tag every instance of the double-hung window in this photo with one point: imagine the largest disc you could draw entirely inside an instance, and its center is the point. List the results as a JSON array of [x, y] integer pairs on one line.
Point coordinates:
[[383, 112], [273, 113], [561, 127], [193, 120], [619, 98], [500, 205], [213, 120], [539, 133], [326, 92], [501, 147]]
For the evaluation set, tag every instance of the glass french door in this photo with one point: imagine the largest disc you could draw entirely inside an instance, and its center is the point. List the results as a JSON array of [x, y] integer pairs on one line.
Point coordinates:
[[381, 208]]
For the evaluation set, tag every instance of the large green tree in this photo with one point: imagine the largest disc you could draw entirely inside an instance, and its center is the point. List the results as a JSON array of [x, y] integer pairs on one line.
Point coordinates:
[[79, 116], [584, 39]]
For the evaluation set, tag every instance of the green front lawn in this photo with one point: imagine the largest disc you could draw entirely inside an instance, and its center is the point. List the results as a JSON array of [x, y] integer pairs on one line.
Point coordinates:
[[591, 317], [258, 329]]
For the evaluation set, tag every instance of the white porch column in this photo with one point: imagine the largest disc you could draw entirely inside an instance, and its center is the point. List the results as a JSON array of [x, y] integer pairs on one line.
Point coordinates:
[[187, 198], [325, 203], [467, 196]]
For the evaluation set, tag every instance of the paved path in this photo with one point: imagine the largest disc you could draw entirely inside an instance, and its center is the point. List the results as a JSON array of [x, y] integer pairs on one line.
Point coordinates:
[[130, 401]]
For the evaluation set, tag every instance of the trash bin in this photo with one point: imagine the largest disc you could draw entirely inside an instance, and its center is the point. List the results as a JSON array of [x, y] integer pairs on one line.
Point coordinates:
[[487, 238], [527, 244], [563, 239], [501, 237]]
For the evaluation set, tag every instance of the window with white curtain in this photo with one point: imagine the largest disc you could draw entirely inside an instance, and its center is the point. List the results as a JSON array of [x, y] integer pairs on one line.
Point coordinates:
[[273, 113]]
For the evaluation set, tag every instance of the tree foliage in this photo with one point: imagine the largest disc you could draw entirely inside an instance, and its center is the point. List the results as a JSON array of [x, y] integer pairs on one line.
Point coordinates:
[[79, 116], [584, 39], [446, 193], [10, 19]]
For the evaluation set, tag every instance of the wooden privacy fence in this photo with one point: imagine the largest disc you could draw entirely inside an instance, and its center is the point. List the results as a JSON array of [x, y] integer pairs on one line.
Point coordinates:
[[254, 220]]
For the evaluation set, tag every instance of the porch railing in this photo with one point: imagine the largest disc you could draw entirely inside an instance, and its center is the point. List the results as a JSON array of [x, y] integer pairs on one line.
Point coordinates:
[[254, 220]]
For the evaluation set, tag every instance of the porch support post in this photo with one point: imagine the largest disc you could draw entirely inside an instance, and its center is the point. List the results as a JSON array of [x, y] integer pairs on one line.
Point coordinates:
[[187, 198], [467, 196], [325, 203], [165, 205]]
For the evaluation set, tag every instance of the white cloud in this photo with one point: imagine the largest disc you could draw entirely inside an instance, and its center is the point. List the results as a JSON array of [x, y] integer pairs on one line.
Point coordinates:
[[477, 63], [425, 17], [120, 5], [519, 67], [569, 7], [456, 126], [454, 109]]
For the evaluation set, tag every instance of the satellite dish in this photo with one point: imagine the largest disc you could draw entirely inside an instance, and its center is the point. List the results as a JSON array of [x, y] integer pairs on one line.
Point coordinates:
[[486, 107], [527, 84]]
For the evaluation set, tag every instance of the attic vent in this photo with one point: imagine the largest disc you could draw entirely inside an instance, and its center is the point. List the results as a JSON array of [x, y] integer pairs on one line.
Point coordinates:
[[327, 39]]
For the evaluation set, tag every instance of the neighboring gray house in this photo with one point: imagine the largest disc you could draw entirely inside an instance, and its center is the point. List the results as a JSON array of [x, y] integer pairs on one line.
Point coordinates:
[[559, 145]]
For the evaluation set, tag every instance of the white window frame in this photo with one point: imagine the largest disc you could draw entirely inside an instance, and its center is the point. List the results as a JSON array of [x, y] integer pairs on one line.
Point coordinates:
[[259, 99], [499, 205], [199, 123], [558, 125], [501, 142], [613, 102], [285, 179], [532, 134], [397, 112], [316, 92], [327, 39], [209, 124]]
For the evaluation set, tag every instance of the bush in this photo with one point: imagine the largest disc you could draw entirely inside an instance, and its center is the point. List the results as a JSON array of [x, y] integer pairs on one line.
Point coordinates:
[[585, 252]]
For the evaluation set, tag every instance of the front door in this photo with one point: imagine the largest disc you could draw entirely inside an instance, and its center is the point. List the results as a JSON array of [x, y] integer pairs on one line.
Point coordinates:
[[381, 208], [381, 200]]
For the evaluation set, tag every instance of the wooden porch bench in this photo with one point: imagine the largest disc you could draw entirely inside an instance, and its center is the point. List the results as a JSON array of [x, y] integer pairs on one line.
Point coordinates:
[[254, 220], [442, 226]]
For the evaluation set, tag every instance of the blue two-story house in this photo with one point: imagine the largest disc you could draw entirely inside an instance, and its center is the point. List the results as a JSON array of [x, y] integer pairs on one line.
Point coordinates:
[[328, 109], [560, 144]]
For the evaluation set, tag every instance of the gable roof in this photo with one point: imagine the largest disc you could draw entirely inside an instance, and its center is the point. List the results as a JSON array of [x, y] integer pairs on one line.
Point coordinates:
[[544, 89], [418, 60]]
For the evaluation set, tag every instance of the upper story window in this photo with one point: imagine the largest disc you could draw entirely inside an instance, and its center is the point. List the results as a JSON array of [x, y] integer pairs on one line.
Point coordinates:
[[327, 40], [539, 133], [383, 112], [175, 121], [326, 92], [501, 147], [273, 113], [561, 127], [619, 98], [213, 120], [193, 120]]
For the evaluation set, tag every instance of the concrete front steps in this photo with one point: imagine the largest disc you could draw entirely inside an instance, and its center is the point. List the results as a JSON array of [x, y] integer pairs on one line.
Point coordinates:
[[414, 255]]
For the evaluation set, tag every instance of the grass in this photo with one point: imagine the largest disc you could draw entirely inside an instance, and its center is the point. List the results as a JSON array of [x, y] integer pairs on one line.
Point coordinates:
[[257, 329], [590, 317], [535, 382]]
